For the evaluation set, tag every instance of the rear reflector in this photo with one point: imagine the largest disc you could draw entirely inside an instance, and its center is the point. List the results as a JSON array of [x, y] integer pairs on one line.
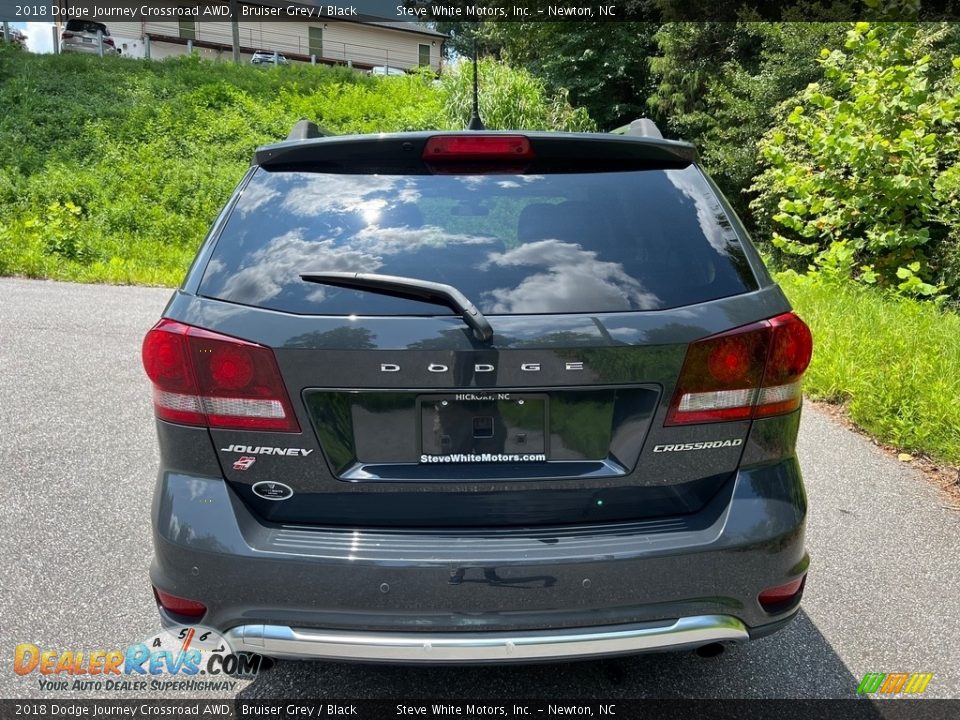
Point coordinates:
[[782, 596], [477, 148], [179, 605], [753, 371], [203, 378]]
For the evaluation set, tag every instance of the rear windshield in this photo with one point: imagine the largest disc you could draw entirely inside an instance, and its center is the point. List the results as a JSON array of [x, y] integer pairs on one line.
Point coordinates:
[[513, 244], [86, 26]]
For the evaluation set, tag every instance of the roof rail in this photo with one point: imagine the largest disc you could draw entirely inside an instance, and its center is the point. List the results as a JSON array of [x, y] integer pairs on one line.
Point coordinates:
[[641, 127], [306, 130]]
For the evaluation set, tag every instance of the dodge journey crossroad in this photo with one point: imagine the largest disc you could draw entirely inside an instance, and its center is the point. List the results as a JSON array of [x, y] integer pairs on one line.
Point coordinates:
[[466, 397]]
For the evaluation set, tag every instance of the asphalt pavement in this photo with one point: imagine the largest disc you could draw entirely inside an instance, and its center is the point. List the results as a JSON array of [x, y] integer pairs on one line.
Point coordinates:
[[78, 458]]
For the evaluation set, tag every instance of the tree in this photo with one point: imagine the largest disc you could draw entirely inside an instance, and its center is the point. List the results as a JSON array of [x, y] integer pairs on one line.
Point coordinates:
[[859, 176], [602, 67], [719, 84], [462, 38]]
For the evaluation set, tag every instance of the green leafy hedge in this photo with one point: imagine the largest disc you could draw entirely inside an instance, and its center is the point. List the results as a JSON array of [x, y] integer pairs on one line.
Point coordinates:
[[861, 179], [111, 170]]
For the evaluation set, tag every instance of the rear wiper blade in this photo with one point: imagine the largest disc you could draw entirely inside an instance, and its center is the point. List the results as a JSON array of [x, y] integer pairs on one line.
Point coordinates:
[[412, 289]]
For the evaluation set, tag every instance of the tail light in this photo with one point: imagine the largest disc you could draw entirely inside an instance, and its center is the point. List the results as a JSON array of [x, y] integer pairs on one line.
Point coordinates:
[[66, 35], [179, 605], [783, 596], [446, 154], [459, 148], [750, 372], [203, 378], [108, 41]]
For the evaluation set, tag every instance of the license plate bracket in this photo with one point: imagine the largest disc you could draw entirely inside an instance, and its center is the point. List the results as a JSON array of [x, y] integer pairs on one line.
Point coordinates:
[[464, 425]]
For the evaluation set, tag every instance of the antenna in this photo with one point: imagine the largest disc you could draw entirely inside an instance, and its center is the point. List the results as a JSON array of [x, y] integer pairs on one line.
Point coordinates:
[[475, 122]]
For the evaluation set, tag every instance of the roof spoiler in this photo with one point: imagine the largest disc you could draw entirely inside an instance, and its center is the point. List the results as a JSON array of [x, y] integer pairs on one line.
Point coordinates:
[[641, 127], [306, 130], [403, 152]]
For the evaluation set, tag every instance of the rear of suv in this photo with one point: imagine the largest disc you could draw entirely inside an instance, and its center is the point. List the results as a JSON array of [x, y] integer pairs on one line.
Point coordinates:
[[478, 397], [81, 36]]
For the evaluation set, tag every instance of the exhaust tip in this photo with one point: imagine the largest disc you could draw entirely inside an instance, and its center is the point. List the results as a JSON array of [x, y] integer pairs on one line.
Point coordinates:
[[710, 650]]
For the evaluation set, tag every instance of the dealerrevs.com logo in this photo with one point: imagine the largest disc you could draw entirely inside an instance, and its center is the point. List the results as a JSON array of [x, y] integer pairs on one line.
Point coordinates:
[[191, 658]]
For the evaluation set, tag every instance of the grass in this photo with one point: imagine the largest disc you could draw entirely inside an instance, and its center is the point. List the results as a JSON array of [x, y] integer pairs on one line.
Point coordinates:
[[894, 363], [112, 170]]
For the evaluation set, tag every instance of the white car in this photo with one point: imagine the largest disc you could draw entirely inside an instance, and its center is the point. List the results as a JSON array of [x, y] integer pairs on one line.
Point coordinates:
[[386, 70], [264, 57], [81, 36]]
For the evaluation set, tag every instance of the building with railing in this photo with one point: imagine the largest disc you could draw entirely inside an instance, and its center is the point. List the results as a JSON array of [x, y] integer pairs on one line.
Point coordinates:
[[363, 45]]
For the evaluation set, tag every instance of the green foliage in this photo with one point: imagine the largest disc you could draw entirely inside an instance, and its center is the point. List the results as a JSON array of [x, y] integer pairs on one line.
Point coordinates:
[[895, 362], [719, 84], [603, 66], [859, 179], [508, 100], [112, 170]]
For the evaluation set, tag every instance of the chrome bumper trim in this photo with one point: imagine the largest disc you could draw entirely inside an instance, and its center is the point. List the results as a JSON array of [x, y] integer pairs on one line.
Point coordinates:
[[282, 641]]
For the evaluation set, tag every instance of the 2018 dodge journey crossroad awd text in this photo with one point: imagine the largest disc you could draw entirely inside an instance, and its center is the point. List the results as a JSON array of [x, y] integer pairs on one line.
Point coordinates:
[[478, 397]]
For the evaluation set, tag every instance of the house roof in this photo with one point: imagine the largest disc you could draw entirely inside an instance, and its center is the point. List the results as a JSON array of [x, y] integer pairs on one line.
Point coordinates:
[[413, 27]]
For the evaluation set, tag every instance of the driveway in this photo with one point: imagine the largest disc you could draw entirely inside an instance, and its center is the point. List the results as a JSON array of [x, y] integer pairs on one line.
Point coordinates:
[[77, 463]]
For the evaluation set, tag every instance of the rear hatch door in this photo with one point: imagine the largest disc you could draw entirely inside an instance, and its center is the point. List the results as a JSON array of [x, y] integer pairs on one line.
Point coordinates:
[[595, 274]]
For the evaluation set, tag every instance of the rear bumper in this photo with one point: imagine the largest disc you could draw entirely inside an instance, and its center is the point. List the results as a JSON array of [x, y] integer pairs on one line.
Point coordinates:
[[283, 641], [86, 48], [483, 595]]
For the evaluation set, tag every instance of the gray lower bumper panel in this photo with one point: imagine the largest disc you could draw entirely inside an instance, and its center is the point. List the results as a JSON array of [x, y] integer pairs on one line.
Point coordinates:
[[283, 641]]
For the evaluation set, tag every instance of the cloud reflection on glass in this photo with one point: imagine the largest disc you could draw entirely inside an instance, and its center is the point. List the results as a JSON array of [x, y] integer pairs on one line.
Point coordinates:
[[567, 278]]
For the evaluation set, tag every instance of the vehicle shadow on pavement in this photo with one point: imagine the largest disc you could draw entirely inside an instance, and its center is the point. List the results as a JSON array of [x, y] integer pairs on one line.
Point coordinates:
[[797, 662]]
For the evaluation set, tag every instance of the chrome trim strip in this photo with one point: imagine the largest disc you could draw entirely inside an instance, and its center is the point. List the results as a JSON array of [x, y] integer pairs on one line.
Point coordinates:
[[283, 641]]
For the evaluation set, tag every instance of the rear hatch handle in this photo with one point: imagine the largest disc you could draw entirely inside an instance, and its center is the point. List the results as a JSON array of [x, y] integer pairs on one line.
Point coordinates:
[[411, 289]]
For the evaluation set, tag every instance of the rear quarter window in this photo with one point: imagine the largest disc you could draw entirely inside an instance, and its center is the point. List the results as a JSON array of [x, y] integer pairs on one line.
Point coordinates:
[[514, 244]]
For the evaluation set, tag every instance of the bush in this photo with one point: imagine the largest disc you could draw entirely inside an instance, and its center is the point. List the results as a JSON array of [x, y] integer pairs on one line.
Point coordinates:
[[112, 170], [858, 181], [719, 84], [509, 99]]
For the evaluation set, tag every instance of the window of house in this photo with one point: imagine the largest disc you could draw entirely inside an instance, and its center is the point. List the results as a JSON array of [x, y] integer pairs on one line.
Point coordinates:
[[188, 29], [316, 41], [424, 55]]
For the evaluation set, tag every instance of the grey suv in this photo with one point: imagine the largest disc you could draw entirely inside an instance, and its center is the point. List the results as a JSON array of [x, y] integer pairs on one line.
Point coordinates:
[[80, 36], [478, 397]]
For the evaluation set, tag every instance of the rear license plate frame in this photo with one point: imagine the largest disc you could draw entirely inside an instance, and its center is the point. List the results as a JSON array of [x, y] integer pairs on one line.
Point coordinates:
[[520, 426]]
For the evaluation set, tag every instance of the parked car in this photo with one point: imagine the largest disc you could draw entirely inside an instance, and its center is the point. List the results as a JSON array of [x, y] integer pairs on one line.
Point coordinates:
[[262, 57], [478, 397], [386, 70], [81, 36]]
